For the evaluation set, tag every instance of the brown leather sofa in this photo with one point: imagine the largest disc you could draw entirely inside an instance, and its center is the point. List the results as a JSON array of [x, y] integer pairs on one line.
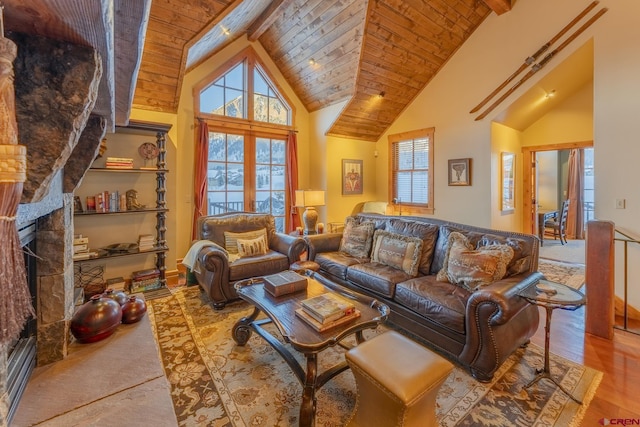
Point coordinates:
[[478, 329], [216, 271]]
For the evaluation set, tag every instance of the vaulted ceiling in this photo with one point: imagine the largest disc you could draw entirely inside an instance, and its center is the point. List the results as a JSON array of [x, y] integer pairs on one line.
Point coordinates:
[[329, 51]]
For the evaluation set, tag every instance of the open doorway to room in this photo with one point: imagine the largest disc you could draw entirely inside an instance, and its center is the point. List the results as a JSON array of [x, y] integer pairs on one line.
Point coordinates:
[[552, 174]]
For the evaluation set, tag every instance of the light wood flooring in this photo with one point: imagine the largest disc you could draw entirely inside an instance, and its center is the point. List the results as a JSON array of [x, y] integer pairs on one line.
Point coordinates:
[[619, 360]]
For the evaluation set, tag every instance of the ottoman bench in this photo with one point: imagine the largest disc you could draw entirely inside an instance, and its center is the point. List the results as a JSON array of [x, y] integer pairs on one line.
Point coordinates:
[[397, 381]]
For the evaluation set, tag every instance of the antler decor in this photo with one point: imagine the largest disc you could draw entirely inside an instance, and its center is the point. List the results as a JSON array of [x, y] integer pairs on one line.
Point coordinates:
[[15, 299]]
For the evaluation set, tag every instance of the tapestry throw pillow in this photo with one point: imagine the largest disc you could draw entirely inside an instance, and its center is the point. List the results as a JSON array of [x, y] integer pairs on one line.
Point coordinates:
[[357, 238], [231, 239], [397, 251], [473, 269], [252, 247]]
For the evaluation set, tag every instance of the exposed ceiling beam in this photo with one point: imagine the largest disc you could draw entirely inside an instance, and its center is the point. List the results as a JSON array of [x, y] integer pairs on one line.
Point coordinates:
[[499, 6], [266, 19]]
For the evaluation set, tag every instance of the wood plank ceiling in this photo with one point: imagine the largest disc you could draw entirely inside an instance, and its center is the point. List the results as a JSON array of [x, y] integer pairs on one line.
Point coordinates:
[[360, 48], [329, 51]]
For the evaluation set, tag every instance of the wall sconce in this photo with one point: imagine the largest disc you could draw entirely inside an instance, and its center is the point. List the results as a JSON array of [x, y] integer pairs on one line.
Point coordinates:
[[375, 153], [550, 94]]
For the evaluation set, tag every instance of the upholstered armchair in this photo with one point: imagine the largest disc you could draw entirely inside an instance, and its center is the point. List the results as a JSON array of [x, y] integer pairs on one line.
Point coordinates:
[[231, 247]]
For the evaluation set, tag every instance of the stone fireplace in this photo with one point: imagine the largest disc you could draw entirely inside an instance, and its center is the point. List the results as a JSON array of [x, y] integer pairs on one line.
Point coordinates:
[[56, 85]]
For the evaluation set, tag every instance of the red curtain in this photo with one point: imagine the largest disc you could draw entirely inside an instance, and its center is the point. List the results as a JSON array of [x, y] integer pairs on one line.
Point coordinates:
[[575, 217], [292, 179], [200, 176]]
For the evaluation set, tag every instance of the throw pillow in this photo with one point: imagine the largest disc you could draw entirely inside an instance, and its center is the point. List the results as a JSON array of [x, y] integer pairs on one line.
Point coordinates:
[[231, 239], [473, 269], [357, 238], [252, 247], [397, 251]]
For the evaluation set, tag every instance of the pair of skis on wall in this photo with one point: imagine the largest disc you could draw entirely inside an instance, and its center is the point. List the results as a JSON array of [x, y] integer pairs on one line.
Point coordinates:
[[537, 66]]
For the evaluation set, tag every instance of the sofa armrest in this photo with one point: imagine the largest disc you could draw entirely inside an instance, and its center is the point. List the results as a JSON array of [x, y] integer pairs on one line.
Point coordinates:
[[291, 246], [503, 295], [318, 243]]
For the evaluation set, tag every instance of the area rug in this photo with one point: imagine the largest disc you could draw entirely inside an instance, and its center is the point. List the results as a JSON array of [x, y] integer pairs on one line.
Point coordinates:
[[214, 382], [562, 272]]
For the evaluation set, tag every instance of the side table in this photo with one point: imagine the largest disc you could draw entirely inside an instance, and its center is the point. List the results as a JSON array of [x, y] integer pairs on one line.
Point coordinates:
[[551, 295]]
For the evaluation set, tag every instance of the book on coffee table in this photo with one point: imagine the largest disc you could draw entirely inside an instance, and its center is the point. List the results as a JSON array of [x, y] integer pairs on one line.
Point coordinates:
[[284, 283], [327, 307], [321, 327]]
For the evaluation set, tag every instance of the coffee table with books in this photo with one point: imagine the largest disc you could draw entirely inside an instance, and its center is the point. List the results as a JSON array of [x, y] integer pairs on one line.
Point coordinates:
[[305, 333]]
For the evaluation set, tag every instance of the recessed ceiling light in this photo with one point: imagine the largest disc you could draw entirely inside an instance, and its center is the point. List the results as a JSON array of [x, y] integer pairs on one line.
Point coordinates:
[[550, 94], [226, 31], [312, 61]]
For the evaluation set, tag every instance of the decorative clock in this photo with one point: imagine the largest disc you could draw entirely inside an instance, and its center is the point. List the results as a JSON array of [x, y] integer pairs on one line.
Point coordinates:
[[148, 151]]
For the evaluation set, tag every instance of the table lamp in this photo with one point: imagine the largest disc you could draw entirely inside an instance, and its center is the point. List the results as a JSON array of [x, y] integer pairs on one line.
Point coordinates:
[[309, 199]]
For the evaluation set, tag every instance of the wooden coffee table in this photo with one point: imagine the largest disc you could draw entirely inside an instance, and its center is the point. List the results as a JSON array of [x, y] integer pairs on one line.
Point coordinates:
[[303, 338]]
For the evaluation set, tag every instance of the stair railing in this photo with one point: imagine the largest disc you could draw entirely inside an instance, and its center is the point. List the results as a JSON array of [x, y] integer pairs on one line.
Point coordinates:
[[626, 240]]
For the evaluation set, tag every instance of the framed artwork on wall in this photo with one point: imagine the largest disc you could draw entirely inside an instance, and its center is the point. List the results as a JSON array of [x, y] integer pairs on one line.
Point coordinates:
[[507, 182], [351, 176], [460, 171]]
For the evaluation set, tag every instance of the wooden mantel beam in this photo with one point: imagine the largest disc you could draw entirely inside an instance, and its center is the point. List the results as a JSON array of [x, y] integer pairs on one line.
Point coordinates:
[[499, 6]]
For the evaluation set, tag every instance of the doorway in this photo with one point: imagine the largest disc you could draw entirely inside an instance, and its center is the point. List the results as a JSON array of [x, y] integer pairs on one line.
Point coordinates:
[[531, 196]]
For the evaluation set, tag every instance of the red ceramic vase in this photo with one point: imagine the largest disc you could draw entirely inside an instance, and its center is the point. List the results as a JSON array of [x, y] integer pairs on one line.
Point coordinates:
[[133, 310], [96, 319], [119, 296]]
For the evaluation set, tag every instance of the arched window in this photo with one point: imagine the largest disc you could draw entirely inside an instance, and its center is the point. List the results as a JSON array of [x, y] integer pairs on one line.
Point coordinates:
[[249, 120]]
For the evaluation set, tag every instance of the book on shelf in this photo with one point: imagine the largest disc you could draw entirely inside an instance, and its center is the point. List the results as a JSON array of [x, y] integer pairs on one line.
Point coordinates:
[[81, 247], [322, 327], [284, 283], [145, 274], [327, 307], [85, 255], [116, 283], [79, 239], [144, 285], [146, 242]]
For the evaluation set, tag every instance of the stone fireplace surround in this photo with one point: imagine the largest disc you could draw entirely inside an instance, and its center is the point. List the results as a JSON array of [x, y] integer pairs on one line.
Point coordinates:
[[56, 85]]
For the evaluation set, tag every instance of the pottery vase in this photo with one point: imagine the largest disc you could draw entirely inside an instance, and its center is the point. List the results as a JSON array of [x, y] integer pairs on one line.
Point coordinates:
[[133, 310], [96, 319], [119, 296]]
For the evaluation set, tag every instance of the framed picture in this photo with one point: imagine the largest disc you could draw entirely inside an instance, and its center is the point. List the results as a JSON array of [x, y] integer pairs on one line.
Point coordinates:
[[460, 171], [351, 176], [507, 182]]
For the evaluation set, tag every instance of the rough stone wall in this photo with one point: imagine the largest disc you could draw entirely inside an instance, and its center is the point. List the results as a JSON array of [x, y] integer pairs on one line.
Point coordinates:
[[4, 395], [54, 240], [56, 85]]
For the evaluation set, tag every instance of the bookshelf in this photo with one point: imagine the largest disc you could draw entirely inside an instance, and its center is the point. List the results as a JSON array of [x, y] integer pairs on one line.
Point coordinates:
[[112, 233]]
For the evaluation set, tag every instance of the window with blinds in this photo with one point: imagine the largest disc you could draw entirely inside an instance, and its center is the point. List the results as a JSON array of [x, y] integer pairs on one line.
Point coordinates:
[[411, 156]]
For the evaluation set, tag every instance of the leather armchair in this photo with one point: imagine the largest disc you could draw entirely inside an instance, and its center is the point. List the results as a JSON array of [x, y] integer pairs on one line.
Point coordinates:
[[217, 272]]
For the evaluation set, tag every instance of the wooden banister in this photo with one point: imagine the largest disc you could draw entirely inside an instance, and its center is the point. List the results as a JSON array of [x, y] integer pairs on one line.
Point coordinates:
[[599, 276]]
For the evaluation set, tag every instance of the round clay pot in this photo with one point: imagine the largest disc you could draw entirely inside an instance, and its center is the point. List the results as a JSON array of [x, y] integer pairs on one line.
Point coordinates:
[[133, 310], [119, 296], [96, 319]]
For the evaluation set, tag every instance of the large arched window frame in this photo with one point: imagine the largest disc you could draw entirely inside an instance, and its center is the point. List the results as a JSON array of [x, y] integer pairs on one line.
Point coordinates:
[[251, 109]]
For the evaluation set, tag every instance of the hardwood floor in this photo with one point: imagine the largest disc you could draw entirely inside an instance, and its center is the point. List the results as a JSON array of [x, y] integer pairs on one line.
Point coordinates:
[[619, 359]]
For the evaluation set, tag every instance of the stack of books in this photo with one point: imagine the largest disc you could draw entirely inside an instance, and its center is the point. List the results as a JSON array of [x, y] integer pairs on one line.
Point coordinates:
[[145, 280], [116, 283], [106, 201], [146, 242], [119, 163], [81, 248], [327, 311]]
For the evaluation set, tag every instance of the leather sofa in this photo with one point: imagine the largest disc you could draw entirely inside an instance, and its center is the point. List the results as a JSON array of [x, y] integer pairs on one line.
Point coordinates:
[[476, 327], [217, 269]]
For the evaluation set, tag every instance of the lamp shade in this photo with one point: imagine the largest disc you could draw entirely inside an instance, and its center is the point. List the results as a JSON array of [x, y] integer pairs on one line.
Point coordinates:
[[306, 198]]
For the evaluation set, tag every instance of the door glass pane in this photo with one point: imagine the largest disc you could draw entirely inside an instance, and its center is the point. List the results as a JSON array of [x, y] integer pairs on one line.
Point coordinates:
[[270, 182], [225, 173]]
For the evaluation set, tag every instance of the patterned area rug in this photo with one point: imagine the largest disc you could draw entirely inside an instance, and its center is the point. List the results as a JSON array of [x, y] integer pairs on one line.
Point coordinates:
[[562, 272], [217, 383]]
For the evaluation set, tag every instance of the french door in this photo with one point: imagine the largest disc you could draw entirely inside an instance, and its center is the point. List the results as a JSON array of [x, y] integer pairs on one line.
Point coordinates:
[[247, 172]]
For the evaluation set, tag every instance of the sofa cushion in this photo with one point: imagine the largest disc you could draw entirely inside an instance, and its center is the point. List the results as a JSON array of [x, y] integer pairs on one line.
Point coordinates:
[[376, 277], [231, 238], [428, 233], [270, 263], [336, 263], [441, 302], [252, 247], [471, 268], [357, 238], [397, 251], [522, 251]]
